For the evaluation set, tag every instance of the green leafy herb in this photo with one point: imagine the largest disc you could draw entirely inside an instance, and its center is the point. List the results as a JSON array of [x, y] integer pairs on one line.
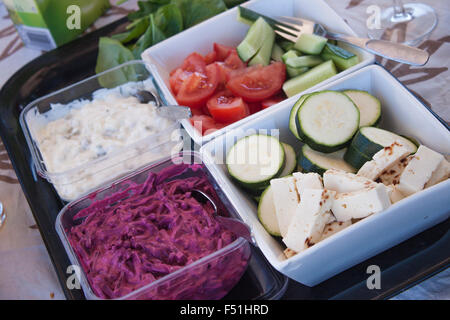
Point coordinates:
[[111, 54], [153, 22]]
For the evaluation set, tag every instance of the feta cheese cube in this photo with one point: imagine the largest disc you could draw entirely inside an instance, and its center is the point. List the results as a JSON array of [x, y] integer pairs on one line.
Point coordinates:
[[394, 194], [341, 181], [309, 220], [360, 204], [286, 201], [383, 160], [440, 174], [305, 181], [419, 170], [392, 175], [334, 227]]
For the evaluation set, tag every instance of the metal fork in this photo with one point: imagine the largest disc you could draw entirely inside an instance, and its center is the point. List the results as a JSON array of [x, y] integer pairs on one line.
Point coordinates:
[[291, 28]]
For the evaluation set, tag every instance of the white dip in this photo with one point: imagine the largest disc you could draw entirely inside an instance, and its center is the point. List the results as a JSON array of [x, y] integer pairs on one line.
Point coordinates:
[[72, 135]]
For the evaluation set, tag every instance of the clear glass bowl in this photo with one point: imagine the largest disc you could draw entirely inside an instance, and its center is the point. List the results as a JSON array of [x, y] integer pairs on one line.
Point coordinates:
[[210, 277], [71, 184]]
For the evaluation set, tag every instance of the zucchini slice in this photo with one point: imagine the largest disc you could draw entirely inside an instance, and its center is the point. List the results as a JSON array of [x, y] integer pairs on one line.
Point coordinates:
[[355, 158], [291, 160], [254, 160], [293, 116], [310, 78], [267, 214], [369, 107], [313, 161], [370, 140], [327, 120]]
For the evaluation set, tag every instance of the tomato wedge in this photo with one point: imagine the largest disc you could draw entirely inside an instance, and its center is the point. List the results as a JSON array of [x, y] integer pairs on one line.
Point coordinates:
[[234, 62], [254, 107], [257, 84], [210, 57], [198, 88], [203, 123], [177, 78], [194, 63], [222, 51], [224, 107], [272, 100]]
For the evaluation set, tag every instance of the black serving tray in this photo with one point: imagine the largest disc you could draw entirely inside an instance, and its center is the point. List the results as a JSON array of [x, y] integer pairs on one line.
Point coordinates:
[[402, 266]]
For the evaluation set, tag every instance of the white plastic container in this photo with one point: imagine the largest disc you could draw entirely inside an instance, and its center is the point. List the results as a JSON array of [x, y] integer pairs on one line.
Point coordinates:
[[401, 113], [225, 29], [84, 177]]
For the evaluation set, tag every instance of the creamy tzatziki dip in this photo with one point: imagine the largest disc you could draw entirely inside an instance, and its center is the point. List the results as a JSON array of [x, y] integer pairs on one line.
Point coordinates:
[[108, 127]]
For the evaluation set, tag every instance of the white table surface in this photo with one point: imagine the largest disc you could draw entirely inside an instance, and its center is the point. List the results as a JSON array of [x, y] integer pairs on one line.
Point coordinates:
[[26, 271]]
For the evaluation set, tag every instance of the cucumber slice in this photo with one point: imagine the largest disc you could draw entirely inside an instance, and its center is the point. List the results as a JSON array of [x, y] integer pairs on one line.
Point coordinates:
[[263, 55], [355, 158], [267, 214], [254, 160], [370, 140], [288, 55], [293, 116], [369, 107], [291, 160], [327, 120], [310, 78], [342, 58], [286, 45], [254, 40], [303, 61], [310, 43], [294, 72], [241, 17], [313, 161], [277, 52], [250, 15]]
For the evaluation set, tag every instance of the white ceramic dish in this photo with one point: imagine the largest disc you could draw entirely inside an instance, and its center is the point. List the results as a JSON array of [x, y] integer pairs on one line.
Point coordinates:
[[225, 29], [401, 113]]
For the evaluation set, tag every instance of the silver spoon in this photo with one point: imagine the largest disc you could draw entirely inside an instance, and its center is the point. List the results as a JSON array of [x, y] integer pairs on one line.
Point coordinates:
[[237, 227], [171, 112]]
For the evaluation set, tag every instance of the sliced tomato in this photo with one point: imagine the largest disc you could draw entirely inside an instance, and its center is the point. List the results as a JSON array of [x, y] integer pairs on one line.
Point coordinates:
[[177, 78], [257, 84], [216, 127], [222, 51], [234, 62], [272, 100], [210, 57], [197, 112], [225, 107], [254, 107], [203, 123], [194, 62], [198, 88]]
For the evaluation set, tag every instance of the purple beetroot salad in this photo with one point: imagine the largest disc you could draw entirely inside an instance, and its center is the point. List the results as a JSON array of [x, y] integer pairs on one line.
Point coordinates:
[[127, 244]]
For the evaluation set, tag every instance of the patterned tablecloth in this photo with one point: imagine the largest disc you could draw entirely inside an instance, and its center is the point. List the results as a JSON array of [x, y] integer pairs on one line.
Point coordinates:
[[25, 268]]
